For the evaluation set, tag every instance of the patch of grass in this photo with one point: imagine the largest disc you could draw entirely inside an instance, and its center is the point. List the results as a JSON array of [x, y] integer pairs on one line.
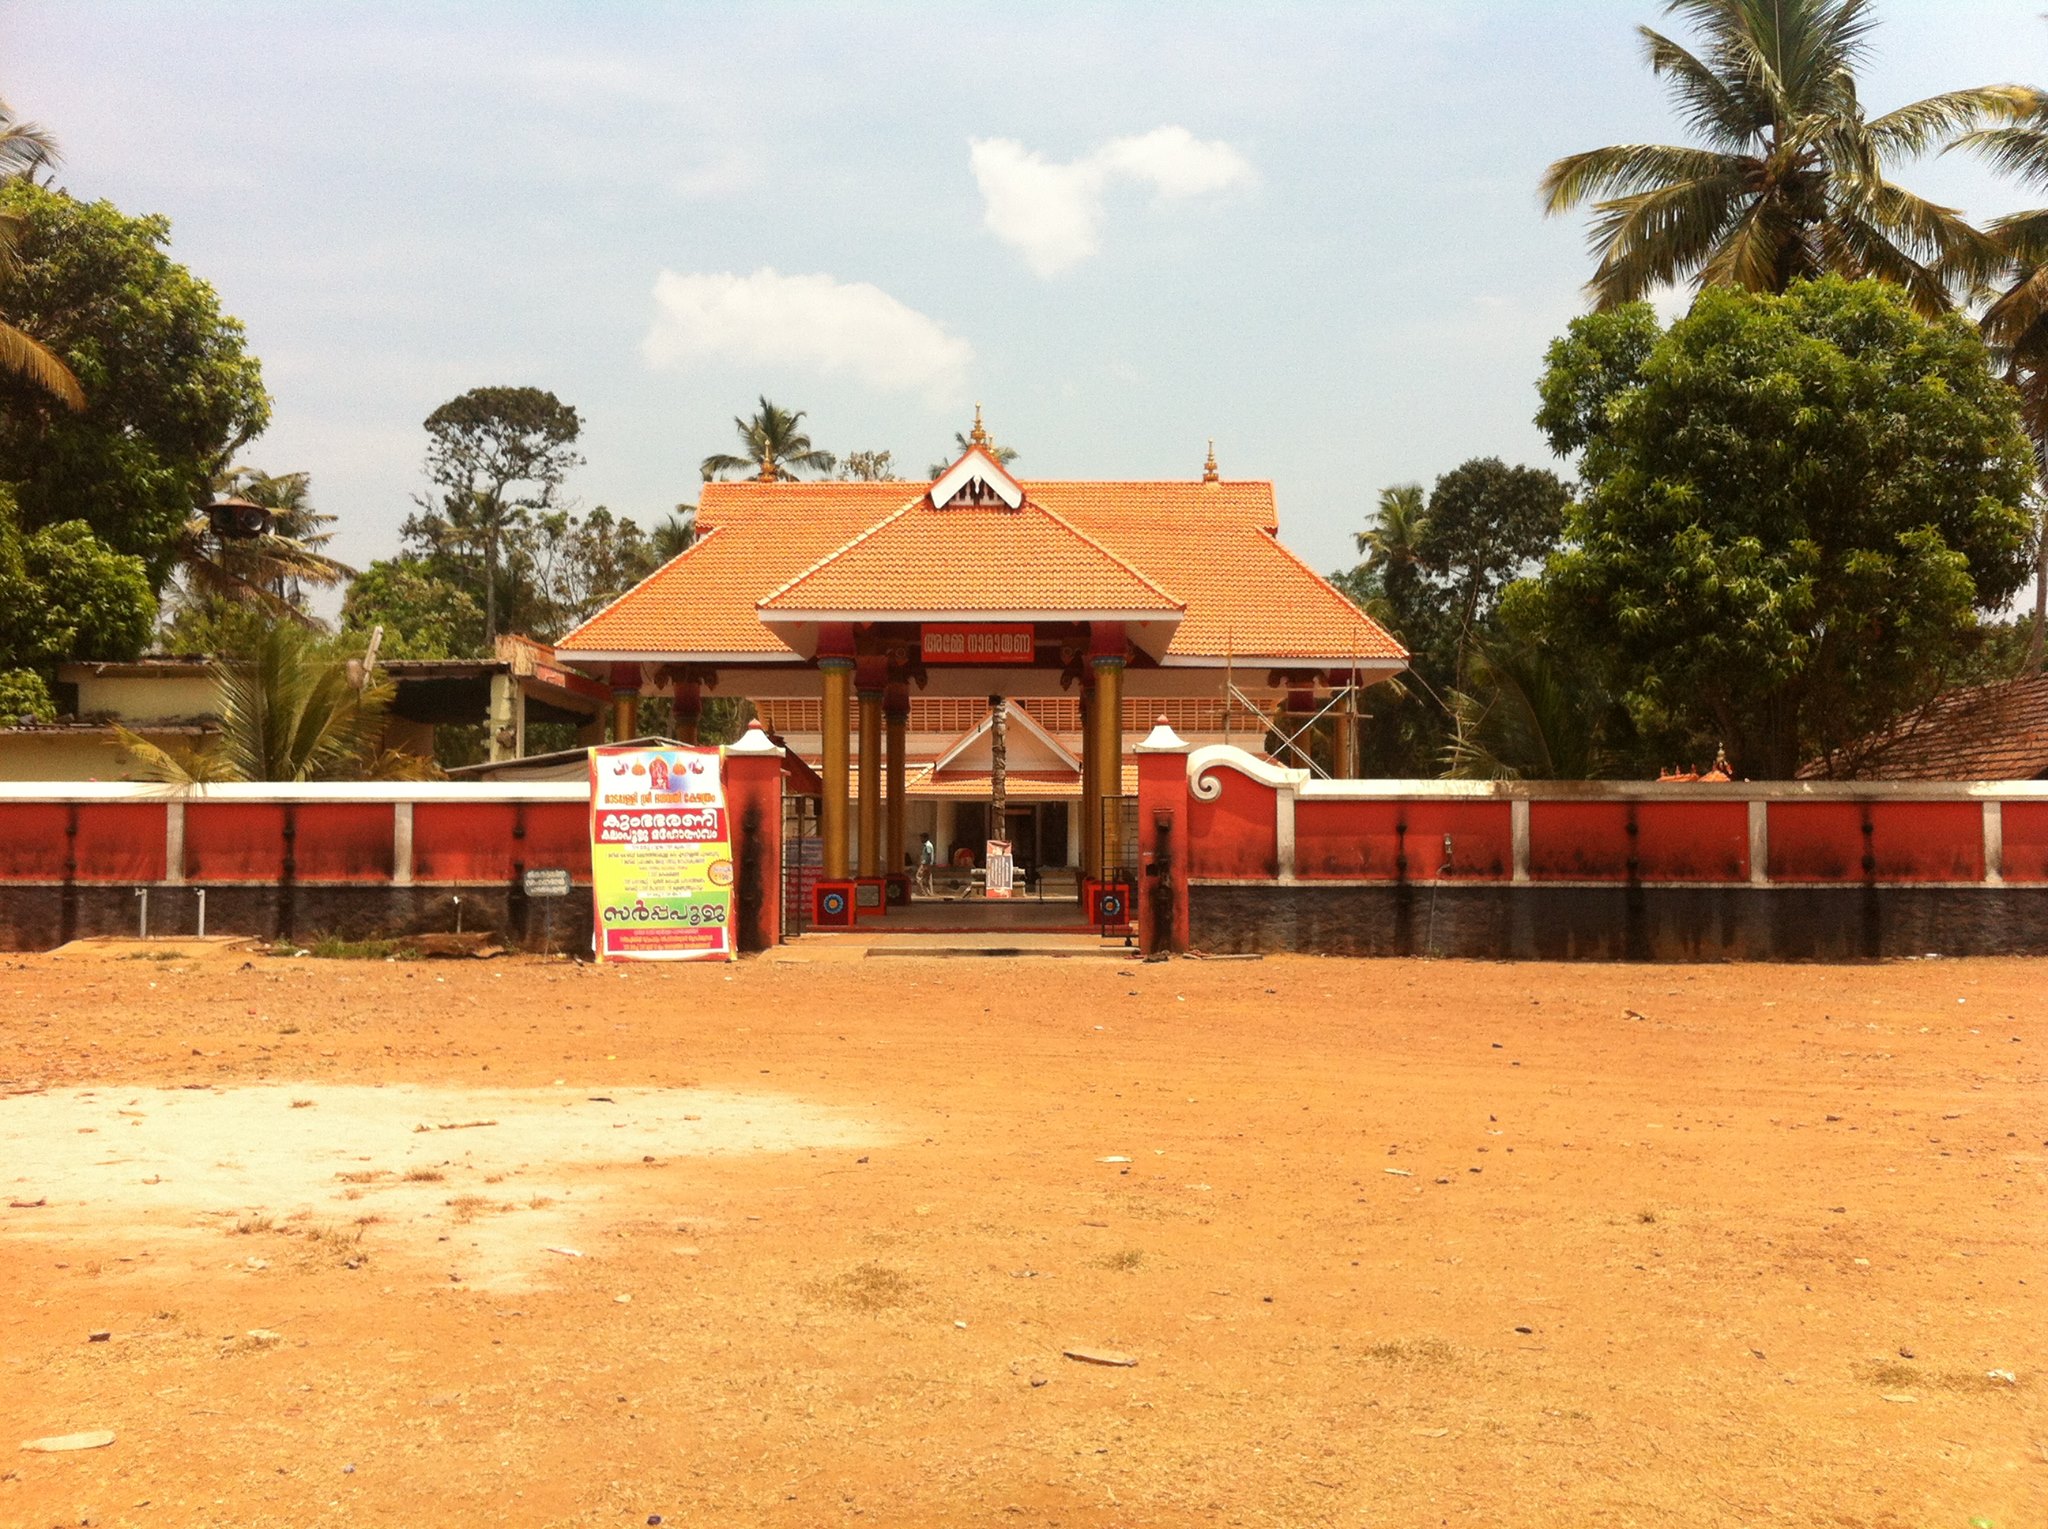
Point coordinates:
[[424, 1175], [363, 1175], [332, 947], [152, 955], [539, 1202], [1647, 1217], [1413, 1353], [1125, 1262], [249, 1226], [303, 1104], [288, 1030], [865, 1287], [466, 1206]]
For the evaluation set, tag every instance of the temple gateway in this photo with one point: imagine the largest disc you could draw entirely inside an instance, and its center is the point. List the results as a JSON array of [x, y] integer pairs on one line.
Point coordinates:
[[875, 627]]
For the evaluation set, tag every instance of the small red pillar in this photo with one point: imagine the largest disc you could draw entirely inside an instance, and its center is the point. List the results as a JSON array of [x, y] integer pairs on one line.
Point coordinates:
[[1162, 841], [753, 798]]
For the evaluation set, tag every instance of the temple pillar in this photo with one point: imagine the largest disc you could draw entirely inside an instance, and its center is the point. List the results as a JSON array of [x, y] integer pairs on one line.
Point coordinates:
[[1109, 757], [836, 721], [689, 708], [870, 782], [896, 710], [625, 702], [1091, 804], [1344, 740]]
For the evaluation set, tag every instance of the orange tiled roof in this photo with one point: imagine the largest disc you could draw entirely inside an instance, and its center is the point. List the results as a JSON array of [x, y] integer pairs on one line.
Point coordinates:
[[971, 558], [1986, 732], [1212, 547]]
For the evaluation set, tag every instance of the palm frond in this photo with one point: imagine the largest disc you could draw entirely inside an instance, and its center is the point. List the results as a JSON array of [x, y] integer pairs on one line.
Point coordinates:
[[1918, 127], [1626, 169], [723, 462], [31, 359], [2020, 148], [1656, 237], [1706, 100]]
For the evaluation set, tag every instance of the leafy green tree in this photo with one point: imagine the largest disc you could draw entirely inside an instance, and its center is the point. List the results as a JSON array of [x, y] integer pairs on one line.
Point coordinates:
[[66, 594], [868, 467], [171, 392], [773, 446], [1488, 523], [2015, 322], [24, 149], [423, 616], [23, 694], [1789, 180], [295, 707], [1792, 516], [495, 457]]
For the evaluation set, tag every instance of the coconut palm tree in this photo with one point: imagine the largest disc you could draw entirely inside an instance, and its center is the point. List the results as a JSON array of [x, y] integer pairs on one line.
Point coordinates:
[[1525, 716], [270, 571], [292, 708], [773, 445], [1392, 541], [2015, 322], [24, 149], [1789, 180]]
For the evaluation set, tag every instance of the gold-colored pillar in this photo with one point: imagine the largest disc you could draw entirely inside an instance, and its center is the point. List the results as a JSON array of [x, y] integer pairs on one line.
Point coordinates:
[[837, 674], [897, 711], [625, 715], [1343, 740], [1091, 839], [871, 783], [1109, 755]]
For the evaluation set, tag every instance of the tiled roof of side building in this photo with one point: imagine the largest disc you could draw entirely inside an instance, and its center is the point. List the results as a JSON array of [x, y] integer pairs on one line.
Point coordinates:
[[1209, 546], [1984, 732]]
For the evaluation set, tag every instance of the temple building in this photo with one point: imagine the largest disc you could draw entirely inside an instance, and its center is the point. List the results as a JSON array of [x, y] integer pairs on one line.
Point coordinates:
[[873, 625]]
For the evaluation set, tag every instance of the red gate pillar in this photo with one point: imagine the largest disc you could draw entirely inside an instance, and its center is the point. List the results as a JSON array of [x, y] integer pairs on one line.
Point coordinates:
[[1162, 841], [753, 798]]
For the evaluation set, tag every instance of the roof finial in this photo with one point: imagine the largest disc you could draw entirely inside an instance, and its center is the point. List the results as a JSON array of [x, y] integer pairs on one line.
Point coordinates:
[[979, 437], [1209, 474]]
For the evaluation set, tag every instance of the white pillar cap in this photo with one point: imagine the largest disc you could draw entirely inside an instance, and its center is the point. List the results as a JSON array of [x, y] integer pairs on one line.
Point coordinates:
[[1163, 740], [755, 743]]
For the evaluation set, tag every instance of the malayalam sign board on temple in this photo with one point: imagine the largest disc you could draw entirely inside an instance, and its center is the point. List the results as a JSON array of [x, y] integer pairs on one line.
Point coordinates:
[[1007, 642]]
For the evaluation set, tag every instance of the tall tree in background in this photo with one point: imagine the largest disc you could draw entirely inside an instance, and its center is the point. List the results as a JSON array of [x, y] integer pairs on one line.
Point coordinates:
[[2016, 321], [24, 149], [1793, 515], [773, 446], [1789, 180], [1488, 523], [495, 456]]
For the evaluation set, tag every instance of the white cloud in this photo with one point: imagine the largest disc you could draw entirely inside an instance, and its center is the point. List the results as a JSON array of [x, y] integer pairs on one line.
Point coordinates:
[[1051, 213], [817, 322]]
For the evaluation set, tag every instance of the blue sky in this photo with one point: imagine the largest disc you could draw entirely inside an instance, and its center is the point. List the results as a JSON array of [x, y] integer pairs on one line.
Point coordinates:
[[1308, 231]]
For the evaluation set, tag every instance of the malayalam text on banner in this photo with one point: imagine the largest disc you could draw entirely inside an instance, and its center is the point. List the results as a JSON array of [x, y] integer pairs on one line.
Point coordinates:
[[661, 866]]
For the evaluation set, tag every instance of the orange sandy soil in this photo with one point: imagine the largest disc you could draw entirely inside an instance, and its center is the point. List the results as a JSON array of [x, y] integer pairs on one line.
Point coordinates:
[[1397, 1244]]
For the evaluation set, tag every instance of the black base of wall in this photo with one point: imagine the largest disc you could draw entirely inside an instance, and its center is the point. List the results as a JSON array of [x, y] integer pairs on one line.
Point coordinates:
[[1542, 923], [39, 916]]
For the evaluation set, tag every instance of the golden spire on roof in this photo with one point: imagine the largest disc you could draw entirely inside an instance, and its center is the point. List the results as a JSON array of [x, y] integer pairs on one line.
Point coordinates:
[[1209, 474], [979, 436]]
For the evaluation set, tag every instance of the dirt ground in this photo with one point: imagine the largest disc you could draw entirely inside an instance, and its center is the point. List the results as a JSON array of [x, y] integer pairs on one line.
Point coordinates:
[[1392, 1243]]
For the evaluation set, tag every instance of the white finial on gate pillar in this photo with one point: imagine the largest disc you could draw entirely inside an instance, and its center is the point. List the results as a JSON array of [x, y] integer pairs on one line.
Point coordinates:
[[1163, 740], [756, 741]]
